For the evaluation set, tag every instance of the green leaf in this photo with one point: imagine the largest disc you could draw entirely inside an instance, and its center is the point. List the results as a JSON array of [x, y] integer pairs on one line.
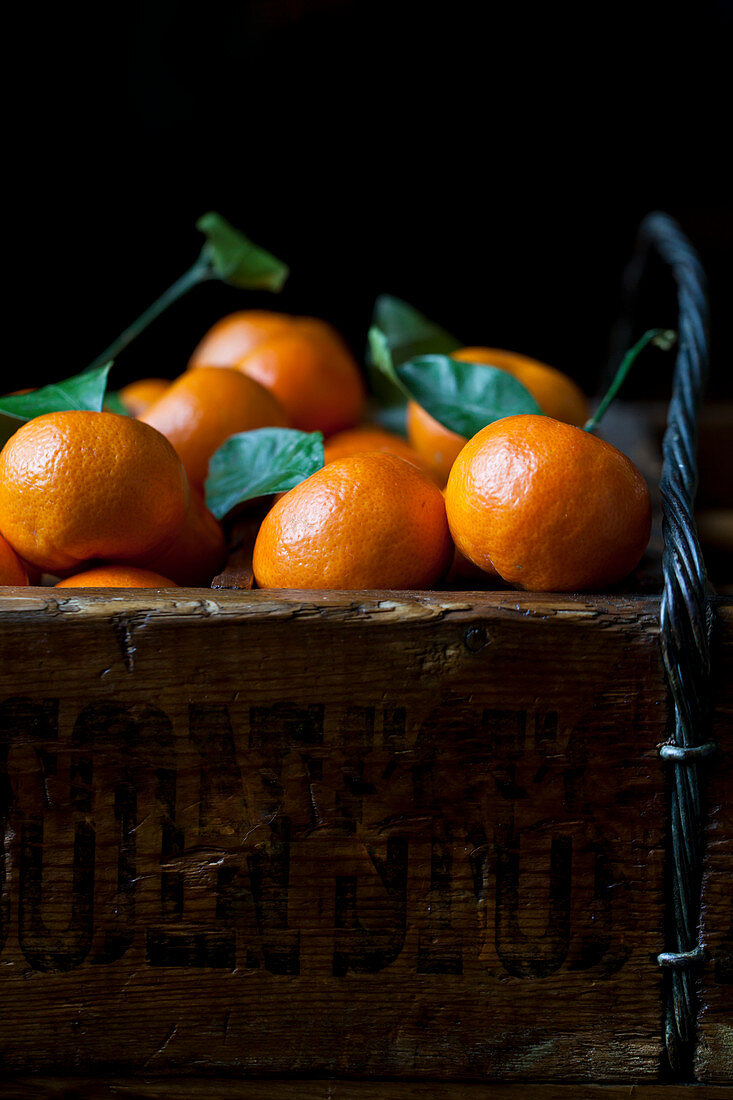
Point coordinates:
[[382, 362], [259, 462], [236, 260], [661, 338], [113, 403], [83, 391], [464, 397], [407, 332]]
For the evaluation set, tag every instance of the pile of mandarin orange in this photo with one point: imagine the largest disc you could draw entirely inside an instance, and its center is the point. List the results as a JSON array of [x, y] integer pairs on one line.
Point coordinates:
[[100, 499]]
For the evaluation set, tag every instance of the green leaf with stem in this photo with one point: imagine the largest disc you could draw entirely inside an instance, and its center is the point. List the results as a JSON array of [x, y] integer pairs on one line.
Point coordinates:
[[82, 391], [380, 357], [663, 339], [409, 333], [464, 397], [256, 463], [236, 260], [227, 255], [406, 333]]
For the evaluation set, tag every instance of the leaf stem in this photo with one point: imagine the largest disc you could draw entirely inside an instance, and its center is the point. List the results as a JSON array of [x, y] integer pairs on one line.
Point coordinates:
[[200, 272], [660, 338]]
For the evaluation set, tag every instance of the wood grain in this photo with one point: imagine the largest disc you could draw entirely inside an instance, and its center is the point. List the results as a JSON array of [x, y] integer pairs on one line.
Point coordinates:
[[238, 572], [221, 1088], [408, 835]]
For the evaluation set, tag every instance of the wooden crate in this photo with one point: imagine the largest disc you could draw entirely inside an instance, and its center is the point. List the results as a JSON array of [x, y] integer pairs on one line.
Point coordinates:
[[412, 836]]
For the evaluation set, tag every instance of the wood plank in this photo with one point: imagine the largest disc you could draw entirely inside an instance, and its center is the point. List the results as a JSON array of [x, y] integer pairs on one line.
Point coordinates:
[[206, 1088], [238, 572], [395, 834]]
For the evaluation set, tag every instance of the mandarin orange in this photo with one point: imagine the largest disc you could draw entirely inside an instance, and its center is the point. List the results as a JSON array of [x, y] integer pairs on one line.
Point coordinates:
[[554, 391], [314, 377], [371, 520], [12, 570], [235, 335], [547, 505], [197, 553], [437, 445], [370, 438], [556, 394], [302, 360], [80, 485], [204, 407], [138, 395], [117, 576]]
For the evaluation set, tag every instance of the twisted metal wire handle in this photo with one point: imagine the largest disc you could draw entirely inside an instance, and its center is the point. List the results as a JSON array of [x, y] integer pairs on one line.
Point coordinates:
[[685, 627]]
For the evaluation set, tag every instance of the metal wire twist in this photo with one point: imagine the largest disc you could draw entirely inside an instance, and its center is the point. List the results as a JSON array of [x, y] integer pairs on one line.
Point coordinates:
[[685, 630]]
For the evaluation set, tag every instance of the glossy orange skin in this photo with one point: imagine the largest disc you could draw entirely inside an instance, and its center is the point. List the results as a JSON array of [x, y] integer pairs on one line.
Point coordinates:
[[199, 551], [437, 446], [370, 438], [204, 407], [555, 393], [312, 374], [137, 396], [371, 520], [81, 485], [302, 360], [464, 574], [231, 338], [12, 570], [549, 506], [117, 576]]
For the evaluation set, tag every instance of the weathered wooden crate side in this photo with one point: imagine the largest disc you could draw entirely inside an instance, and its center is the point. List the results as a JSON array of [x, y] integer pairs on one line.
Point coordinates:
[[33, 1087], [412, 836]]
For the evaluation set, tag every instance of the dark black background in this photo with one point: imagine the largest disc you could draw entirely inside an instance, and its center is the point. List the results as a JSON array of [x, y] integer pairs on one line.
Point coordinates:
[[487, 162]]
